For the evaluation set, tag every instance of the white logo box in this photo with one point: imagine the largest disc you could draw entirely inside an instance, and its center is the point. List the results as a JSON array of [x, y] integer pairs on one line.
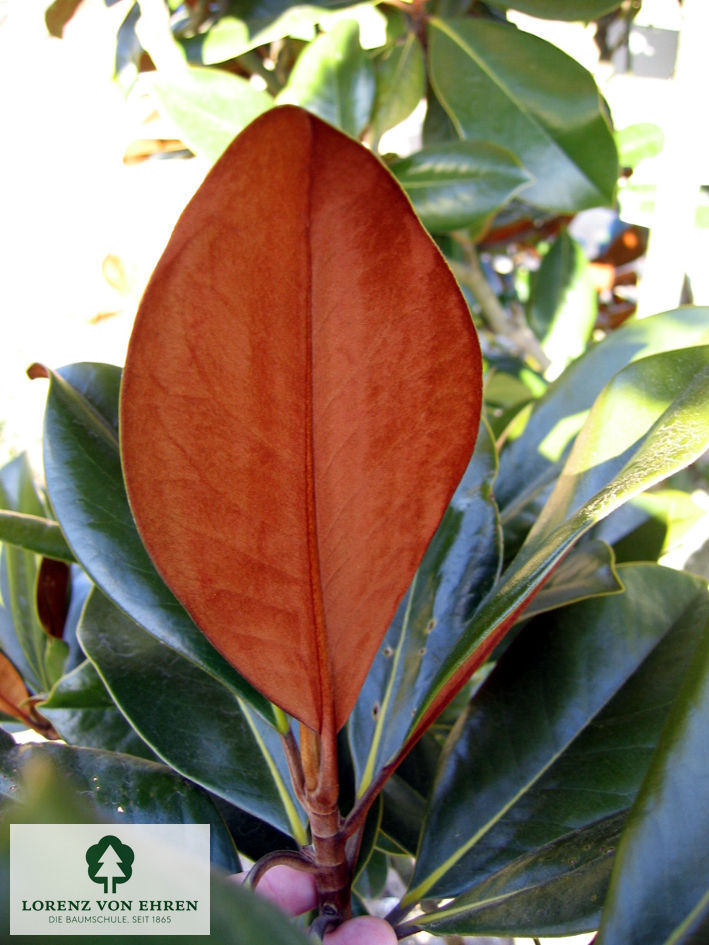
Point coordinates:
[[162, 890]]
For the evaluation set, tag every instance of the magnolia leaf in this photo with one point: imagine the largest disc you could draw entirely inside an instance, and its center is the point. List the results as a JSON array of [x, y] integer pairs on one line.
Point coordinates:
[[661, 877], [529, 463], [560, 9], [111, 786], [38, 656], [562, 307], [481, 69], [333, 78], [85, 484], [171, 704], [14, 697], [587, 571], [461, 563], [400, 73], [557, 739], [208, 106], [460, 183], [300, 399], [34, 533], [260, 23], [84, 714], [663, 427]]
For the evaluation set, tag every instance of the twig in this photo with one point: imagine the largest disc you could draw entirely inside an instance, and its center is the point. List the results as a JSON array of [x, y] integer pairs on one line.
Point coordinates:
[[494, 313], [297, 860]]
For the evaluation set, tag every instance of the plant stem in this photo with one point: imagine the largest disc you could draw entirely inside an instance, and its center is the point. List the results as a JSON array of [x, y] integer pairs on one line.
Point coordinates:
[[333, 877], [494, 313]]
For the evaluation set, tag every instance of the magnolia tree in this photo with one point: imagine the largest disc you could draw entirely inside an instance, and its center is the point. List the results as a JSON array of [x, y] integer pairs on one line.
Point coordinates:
[[315, 571]]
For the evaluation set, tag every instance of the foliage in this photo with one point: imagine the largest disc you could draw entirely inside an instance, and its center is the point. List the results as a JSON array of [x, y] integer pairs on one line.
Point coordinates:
[[520, 686]]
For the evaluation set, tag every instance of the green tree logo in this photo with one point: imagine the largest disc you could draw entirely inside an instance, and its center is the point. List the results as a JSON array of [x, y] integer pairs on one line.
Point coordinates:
[[110, 861]]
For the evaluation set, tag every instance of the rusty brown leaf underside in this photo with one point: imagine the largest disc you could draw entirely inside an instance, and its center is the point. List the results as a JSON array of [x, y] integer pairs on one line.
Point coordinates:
[[301, 397]]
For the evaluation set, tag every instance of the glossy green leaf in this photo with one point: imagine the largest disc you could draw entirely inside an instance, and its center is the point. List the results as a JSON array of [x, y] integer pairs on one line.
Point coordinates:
[[85, 484], [659, 890], [559, 9], [192, 721], [587, 571], [550, 892], [123, 789], [556, 126], [437, 126], [533, 460], [562, 309], [38, 656], [367, 851], [257, 24], [460, 184], [461, 562], [558, 739], [638, 142], [403, 812], [650, 422], [208, 107], [34, 533], [400, 74], [333, 78], [84, 714]]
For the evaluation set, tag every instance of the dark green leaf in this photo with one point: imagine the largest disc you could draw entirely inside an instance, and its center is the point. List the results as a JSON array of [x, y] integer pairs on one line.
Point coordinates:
[[587, 571], [207, 106], [38, 656], [122, 789], [558, 739], [370, 882], [560, 9], [562, 310], [84, 714], [192, 721], [550, 892], [85, 483], [403, 813], [659, 891], [255, 24], [460, 184], [461, 562], [34, 533], [400, 74], [437, 126], [367, 850], [555, 124], [334, 79]]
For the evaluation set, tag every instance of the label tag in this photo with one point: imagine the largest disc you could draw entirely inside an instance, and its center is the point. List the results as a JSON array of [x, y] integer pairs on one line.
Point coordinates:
[[92, 879]]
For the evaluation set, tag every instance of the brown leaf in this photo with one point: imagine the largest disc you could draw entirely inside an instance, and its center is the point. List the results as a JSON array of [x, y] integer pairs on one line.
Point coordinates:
[[53, 595], [300, 399], [15, 700]]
